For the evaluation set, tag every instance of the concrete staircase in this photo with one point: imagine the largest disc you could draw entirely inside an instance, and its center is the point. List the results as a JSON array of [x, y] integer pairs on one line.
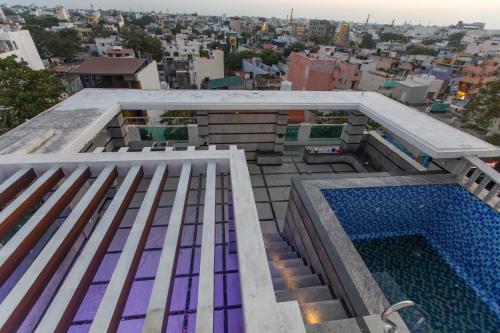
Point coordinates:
[[294, 280]]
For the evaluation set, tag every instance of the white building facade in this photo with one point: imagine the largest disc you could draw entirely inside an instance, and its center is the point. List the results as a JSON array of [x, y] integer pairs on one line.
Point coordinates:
[[20, 44]]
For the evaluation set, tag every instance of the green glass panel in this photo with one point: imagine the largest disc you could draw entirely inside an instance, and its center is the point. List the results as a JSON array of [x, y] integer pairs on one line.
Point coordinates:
[[292, 133], [326, 132]]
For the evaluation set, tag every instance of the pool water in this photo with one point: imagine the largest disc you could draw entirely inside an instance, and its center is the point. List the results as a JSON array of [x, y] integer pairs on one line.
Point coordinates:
[[409, 268], [424, 242]]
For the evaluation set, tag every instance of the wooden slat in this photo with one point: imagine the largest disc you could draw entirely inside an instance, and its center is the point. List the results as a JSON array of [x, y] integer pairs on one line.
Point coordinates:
[[19, 301], [156, 315], [205, 308], [65, 304], [108, 314], [14, 184], [24, 240], [31, 196]]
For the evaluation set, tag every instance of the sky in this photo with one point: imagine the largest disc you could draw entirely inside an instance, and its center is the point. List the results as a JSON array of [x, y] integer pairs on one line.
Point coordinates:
[[434, 12]]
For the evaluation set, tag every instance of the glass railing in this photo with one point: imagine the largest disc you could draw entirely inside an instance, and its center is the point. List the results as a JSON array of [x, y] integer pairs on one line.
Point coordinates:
[[292, 133], [326, 132], [164, 133]]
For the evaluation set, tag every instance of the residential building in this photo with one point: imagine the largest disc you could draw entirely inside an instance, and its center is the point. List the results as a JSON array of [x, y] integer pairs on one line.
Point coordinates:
[[321, 28], [376, 81], [128, 238], [410, 91], [211, 67], [321, 73], [235, 23], [477, 75], [347, 75], [119, 52], [20, 44], [484, 48], [105, 43], [104, 72], [308, 73]]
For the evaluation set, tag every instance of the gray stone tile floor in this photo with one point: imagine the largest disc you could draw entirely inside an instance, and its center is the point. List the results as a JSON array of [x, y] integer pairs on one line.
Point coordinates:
[[271, 186]]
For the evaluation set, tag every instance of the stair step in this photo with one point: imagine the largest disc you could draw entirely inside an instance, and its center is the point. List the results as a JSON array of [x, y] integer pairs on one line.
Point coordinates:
[[272, 237], [282, 255], [318, 312], [304, 295], [281, 248], [278, 246], [298, 281], [348, 325], [283, 272], [286, 263]]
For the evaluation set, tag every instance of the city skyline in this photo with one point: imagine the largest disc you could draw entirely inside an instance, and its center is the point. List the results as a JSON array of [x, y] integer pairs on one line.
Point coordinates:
[[444, 12]]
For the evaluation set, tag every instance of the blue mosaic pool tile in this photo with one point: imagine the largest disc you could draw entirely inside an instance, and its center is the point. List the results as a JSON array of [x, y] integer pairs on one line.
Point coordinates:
[[460, 227]]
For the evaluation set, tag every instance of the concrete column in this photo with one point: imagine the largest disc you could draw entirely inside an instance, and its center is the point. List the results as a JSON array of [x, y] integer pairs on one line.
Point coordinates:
[[193, 135], [353, 131], [202, 121], [282, 122], [304, 133]]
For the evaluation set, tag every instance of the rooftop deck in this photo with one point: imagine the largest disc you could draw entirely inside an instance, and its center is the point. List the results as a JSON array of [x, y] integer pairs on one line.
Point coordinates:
[[67, 125]]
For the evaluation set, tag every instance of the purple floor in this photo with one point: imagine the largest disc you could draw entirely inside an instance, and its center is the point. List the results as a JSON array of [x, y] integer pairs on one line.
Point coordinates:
[[182, 314]]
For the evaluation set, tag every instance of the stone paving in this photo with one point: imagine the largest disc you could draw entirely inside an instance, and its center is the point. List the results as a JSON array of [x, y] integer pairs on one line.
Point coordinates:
[[271, 186]]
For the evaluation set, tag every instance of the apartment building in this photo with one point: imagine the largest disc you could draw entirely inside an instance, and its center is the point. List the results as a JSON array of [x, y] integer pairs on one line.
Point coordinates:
[[20, 44]]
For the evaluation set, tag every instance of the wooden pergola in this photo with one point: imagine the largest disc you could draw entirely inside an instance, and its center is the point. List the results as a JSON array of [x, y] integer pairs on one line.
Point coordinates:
[[78, 183]]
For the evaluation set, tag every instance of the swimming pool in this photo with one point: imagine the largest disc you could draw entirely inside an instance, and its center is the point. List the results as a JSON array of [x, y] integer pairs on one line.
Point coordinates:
[[457, 232]]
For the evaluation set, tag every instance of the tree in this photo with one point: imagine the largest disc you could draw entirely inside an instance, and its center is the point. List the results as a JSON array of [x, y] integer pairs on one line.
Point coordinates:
[[134, 38], [99, 31], [233, 61], [24, 92], [295, 47], [270, 57], [319, 40], [484, 110], [392, 37], [63, 43], [143, 21], [41, 21], [367, 42], [418, 49], [455, 41]]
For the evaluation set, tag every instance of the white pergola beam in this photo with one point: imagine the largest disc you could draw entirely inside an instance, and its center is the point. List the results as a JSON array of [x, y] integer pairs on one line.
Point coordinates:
[[23, 241], [108, 314], [156, 315], [27, 199], [205, 308], [19, 301], [67, 300]]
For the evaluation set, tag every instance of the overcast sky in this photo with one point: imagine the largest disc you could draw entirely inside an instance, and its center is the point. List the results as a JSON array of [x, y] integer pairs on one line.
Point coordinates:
[[440, 12]]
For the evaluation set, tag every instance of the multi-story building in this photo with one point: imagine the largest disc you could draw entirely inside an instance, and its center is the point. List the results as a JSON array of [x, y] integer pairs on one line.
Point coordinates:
[[321, 28], [105, 43], [484, 48], [322, 73], [119, 52], [309, 73], [105, 72], [20, 44], [477, 75], [210, 67], [99, 235]]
